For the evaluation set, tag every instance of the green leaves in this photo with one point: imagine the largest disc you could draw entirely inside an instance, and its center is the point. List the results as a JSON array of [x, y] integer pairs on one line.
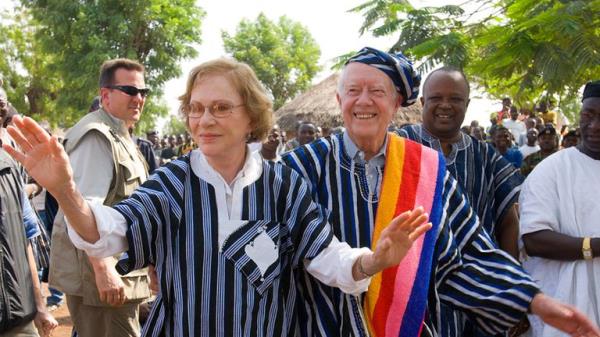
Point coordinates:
[[523, 48], [284, 55], [63, 44]]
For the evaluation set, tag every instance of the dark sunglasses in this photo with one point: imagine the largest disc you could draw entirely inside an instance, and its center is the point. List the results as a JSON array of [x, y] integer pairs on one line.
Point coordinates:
[[130, 90]]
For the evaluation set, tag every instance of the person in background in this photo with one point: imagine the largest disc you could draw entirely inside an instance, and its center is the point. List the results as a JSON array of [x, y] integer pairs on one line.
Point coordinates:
[[539, 123], [504, 113], [293, 143], [168, 152], [478, 169], [492, 128], [338, 130], [560, 208], [146, 149], [547, 116], [524, 113], [187, 146], [179, 140], [22, 309], [475, 165], [307, 132], [514, 125], [570, 139], [548, 143], [529, 124], [504, 145], [272, 148], [95, 105], [478, 133], [154, 139], [107, 167], [531, 146]]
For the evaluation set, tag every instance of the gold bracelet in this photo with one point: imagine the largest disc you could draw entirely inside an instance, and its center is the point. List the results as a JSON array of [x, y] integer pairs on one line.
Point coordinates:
[[361, 269], [586, 249]]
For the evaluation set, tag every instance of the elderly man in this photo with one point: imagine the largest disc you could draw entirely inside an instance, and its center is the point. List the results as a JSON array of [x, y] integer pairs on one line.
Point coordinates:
[[107, 166], [366, 175], [560, 209]]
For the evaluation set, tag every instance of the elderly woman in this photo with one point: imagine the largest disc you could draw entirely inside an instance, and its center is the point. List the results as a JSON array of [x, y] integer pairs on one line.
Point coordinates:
[[224, 228]]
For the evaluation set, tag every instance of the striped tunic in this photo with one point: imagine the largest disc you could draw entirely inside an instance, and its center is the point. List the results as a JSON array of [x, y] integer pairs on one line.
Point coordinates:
[[489, 181], [470, 274], [212, 290]]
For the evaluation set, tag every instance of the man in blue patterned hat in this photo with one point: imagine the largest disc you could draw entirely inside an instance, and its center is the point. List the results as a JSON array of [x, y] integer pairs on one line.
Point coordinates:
[[465, 271]]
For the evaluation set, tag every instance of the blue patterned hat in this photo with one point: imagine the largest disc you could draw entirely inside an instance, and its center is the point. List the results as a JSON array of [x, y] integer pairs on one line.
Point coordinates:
[[397, 67]]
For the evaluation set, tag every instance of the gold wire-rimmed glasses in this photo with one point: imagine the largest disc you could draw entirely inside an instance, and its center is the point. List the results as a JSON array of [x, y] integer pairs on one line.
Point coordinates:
[[217, 110]]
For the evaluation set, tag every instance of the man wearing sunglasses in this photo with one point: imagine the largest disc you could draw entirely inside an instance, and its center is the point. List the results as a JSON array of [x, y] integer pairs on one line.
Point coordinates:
[[106, 166]]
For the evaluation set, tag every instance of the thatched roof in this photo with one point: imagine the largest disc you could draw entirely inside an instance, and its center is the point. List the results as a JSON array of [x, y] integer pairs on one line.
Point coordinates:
[[318, 105]]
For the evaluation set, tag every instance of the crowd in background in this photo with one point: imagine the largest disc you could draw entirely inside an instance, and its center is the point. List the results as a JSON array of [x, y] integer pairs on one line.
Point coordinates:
[[524, 138]]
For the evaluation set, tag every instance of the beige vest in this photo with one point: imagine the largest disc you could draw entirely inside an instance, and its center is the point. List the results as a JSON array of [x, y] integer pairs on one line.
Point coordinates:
[[71, 271]]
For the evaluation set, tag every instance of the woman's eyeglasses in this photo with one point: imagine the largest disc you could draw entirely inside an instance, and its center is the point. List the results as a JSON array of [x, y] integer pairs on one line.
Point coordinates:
[[217, 110], [130, 90]]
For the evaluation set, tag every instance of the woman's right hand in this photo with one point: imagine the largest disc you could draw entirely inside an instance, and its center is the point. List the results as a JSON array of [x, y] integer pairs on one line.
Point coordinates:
[[43, 156]]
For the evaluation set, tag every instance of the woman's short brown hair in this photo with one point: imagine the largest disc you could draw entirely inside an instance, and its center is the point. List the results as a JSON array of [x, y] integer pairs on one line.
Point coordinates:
[[257, 102]]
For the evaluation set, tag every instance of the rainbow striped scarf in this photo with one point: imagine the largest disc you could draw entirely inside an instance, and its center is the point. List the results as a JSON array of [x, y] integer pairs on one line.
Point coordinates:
[[397, 297]]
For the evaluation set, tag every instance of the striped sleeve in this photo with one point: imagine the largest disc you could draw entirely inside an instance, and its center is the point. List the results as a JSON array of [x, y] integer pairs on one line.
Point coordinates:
[[307, 220], [473, 274], [152, 212]]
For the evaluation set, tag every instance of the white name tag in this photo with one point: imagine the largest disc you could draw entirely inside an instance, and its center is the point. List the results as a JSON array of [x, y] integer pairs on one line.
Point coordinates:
[[263, 251]]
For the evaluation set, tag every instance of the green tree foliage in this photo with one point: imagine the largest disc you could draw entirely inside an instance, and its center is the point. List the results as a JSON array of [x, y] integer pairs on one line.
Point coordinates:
[[30, 86], [174, 126], [75, 37], [527, 49], [284, 55]]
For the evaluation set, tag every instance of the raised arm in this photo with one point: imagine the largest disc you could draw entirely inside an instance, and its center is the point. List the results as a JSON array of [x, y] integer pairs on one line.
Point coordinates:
[[47, 162]]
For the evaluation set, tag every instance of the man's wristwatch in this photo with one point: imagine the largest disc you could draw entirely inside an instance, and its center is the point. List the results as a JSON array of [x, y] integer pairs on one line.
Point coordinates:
[[586, 249]]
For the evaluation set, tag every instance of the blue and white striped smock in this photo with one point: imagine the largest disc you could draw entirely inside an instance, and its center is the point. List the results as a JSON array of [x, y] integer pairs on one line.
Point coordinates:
[[489, 181], [210, 291], [470, 274]]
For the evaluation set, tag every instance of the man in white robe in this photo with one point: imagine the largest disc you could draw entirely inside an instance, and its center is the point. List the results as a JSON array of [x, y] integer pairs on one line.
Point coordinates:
[[560, 212]]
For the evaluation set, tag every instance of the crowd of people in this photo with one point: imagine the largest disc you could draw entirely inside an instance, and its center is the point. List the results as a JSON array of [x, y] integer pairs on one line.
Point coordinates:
[[368, 229], [524, 137]]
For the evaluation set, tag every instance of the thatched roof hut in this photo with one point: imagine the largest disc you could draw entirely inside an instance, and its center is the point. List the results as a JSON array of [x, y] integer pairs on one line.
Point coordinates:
[[318, 105]]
